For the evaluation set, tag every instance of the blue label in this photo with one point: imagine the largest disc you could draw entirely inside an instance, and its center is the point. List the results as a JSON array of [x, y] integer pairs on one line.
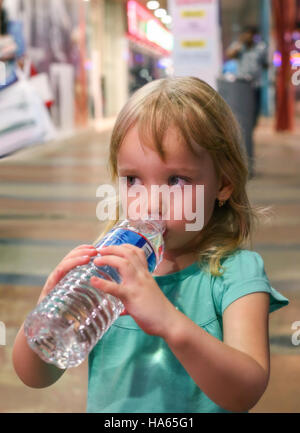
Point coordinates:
[[121, 236]]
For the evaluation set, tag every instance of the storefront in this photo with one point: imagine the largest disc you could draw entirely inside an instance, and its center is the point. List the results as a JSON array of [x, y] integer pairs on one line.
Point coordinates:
[[133, 48], [96, 53], [55, 43], [149, 46]]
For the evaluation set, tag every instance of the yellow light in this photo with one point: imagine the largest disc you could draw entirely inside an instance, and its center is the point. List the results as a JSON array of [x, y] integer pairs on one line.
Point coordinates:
[[193, 44], [193, 14]]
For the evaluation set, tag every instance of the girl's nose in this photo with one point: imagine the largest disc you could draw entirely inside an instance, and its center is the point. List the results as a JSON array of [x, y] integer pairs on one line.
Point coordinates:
[[155, 203]]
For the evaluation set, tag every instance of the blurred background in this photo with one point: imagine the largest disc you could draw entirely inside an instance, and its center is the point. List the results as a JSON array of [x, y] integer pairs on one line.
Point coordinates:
[[66, 69]]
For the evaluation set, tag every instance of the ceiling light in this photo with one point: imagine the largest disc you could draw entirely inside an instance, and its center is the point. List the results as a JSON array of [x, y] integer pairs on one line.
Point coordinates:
[[159, 13], [167, 19], [152, 5]]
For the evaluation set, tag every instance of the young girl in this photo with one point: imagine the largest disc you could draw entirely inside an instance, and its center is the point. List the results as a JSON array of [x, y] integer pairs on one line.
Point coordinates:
[[195, 336]]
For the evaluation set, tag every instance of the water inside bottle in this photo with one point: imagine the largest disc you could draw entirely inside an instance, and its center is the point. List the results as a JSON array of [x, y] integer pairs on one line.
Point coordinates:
[[68, 323]]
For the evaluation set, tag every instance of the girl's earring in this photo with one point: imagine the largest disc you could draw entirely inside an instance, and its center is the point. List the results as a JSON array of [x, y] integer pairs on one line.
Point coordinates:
[[221, 203]]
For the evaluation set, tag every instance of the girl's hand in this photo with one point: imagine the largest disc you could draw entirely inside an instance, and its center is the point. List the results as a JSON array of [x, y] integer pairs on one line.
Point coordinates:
[[139, 292], [80, 255]]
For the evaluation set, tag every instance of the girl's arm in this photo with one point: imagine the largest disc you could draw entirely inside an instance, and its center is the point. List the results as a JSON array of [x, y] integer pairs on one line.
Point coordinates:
[[28, 365], [233, 373]]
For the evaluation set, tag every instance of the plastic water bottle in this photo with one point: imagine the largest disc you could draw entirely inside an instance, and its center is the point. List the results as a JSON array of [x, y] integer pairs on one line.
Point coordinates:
[[71, 319]]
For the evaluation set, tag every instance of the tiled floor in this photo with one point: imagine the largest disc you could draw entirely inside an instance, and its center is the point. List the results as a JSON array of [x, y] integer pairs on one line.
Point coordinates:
[[48, 206]]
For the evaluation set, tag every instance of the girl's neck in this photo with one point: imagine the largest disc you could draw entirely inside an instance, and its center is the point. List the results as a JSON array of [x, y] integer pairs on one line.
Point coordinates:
[[171, 264]]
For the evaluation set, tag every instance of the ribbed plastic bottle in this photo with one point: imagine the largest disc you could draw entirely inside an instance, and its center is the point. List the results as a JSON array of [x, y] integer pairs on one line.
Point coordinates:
[[72, 318]]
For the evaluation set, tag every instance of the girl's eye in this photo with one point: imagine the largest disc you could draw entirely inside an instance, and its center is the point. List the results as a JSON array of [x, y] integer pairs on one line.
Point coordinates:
[[130, 181], [179, 177]]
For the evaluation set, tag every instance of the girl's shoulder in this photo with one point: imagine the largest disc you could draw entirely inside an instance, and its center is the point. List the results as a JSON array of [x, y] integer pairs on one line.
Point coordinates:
[[243, 272], [243, 261]]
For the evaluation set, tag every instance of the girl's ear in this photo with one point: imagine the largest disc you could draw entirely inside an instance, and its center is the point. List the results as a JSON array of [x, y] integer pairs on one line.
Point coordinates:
[[225, 189]]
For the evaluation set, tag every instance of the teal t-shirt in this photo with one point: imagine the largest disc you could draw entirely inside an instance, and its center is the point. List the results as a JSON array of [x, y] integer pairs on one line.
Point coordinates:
[[131, 371]]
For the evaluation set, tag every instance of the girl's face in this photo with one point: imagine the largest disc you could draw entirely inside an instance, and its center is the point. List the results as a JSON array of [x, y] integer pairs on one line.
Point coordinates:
[[142, 165]]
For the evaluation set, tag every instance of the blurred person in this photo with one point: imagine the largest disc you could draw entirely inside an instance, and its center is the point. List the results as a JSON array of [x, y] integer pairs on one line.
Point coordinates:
[[195, 334], [251, 57], [139, 76]]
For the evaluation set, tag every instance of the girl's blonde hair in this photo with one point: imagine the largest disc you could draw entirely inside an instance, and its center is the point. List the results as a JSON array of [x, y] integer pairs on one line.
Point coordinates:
[[203, 119]]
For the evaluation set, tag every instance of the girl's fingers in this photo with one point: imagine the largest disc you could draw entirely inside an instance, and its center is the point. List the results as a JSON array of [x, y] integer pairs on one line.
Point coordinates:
[[117, 256], [120, 263], [106, 286], [67, 264], [81, 252], [72, 262], [139, 252], [133, 254]]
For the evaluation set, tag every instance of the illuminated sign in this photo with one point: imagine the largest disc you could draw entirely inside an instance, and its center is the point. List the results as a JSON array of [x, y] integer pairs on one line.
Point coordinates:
[[197, 39], [143, 26]]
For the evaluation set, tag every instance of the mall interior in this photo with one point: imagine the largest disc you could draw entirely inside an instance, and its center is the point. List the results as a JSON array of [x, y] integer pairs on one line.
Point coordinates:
[[84, 59]]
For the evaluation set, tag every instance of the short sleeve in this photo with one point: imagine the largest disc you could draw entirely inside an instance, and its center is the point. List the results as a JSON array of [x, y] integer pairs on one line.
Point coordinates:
[[244, 273]]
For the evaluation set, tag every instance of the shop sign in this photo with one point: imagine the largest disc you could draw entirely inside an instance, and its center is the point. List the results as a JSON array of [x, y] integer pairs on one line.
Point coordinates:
[[197, 39]]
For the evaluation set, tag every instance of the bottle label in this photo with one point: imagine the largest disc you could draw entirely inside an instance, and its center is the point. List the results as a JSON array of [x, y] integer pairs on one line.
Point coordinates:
[[121, 236]]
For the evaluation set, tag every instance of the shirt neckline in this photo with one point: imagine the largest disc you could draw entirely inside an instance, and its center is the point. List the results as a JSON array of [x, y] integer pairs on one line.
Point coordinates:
[[179, 275]]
